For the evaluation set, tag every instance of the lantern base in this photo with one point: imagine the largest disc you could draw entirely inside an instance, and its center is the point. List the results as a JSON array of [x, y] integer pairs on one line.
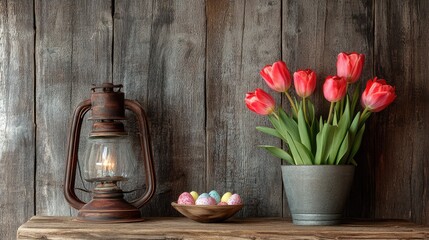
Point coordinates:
[[108, 206]]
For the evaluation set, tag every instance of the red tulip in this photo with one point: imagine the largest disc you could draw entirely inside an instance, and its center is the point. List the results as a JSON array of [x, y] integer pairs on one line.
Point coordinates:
[[377, 95], [277, 76], [305, 82], [350, 66], [334, 88], [260, 102]]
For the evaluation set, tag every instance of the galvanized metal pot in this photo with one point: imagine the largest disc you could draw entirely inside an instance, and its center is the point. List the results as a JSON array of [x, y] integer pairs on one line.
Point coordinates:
[[317, 193]]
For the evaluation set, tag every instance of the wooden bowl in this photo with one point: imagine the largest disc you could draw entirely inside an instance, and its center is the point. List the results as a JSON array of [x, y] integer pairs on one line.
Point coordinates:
[[207, 214]]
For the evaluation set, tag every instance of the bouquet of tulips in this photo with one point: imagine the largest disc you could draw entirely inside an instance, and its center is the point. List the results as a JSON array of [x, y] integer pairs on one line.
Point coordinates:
[[311, 140]]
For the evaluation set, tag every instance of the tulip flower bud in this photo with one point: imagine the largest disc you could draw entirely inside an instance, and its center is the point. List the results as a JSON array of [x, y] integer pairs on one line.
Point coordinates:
[[305, 82], [260, 102], [350, 66], [277, 76], [334, 88], [377, 95]]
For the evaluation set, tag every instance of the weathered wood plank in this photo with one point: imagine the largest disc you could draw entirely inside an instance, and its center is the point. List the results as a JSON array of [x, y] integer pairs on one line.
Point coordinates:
[[182, 228], [53, 80], [159, 56], [131, 46], [242, 37], [314, 32], [401, 165], [132, 33], [175, 100], [74, 50], [17, 134]]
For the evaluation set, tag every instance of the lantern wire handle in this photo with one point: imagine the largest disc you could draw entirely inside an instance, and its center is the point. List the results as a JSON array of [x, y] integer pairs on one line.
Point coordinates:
[[84, 189], [134, 190]]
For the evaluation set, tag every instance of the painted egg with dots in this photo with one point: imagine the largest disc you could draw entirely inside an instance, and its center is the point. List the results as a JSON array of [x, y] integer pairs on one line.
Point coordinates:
[[215, 195], [186, 199], [235, 199], [205, 201]]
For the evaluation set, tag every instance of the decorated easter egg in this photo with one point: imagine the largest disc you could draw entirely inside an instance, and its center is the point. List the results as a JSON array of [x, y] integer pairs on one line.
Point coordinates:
[[222, 203], [235, 199], [186, 199], [225, 197], [205, 201], [215, 195], [204, 195], [194, 195]]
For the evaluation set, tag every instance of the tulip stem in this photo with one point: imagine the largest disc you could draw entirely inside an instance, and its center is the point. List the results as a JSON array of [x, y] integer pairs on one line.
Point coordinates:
[[276, 115], [365, 111], [292, 103], [331, 108]]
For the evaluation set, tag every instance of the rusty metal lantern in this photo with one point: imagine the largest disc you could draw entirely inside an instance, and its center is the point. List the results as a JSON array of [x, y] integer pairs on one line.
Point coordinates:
[[107, 157]]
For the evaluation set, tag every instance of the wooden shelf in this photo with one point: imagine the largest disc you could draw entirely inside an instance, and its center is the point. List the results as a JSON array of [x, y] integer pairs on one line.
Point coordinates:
[[41, 227]]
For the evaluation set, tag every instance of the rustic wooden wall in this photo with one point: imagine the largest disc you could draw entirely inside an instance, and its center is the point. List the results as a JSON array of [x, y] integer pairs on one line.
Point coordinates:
[[190, 64]]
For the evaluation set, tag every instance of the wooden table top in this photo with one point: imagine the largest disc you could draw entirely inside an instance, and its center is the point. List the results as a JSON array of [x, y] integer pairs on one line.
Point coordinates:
[[44, 227]]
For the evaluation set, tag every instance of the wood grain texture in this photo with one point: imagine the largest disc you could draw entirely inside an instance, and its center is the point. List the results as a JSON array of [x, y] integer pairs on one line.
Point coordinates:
[[53, 81], [314, 33], [242, 36], [131, 49], [175, 100], [73, 44], [190, 63], [17, 130], [401, 165], [182, 228]]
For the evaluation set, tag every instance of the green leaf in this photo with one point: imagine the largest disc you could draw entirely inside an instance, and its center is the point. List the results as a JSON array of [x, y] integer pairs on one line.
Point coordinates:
[[337, 109], [356, 143], [311, 111], [279, 126], [269, 131], [306, 157], [300, 154], [342, 106], [288, 129], [303, 130], [344, 149], [356, 93], [295, 153], [298, 106], [354, 126], [289, 125], [314, 129], [335, 118], [278, 152], [340, 134], [324, 143], [287, 132]]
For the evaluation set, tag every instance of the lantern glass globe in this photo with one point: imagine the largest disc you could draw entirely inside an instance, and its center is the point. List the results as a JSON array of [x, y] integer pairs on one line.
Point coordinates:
[[109, 159]]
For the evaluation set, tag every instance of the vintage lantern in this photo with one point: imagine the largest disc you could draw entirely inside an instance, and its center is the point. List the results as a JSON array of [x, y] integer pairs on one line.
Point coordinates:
[[109, 158]]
